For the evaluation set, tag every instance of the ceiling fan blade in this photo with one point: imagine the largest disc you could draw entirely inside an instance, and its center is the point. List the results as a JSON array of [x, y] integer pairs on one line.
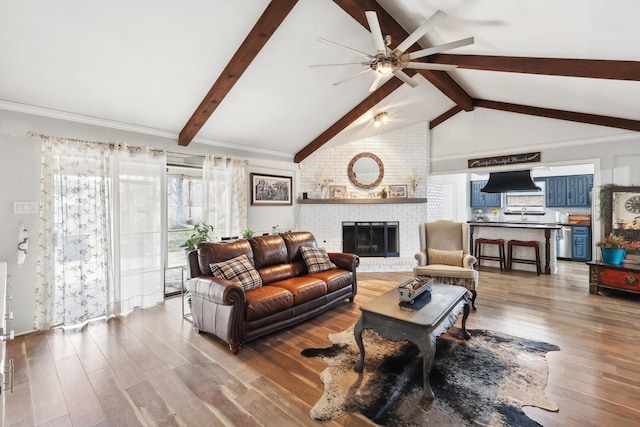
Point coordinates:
[[352, 77], [376, 32], [429, 66], [405, 78], [420, 31], [376, 82], [440, 48], [366, 55], [345, 63]]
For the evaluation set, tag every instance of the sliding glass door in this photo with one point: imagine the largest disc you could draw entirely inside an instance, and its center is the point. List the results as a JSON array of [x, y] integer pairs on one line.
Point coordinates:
[[139, 223], [184, 210]]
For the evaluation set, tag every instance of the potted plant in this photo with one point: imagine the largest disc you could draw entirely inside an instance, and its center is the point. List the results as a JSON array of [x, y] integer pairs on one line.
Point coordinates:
[[200, 234], [605, 201], [613, 248], [247, 233]]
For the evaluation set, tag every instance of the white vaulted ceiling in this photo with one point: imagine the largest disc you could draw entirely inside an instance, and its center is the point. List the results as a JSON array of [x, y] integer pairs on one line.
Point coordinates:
[[146, 66]]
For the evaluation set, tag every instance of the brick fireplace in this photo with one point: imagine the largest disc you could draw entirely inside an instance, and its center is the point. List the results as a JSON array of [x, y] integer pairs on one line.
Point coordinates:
[[325, 221], [402, 151]]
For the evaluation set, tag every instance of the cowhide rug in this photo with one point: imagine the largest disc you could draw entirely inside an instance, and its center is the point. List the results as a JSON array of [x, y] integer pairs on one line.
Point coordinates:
[[483, 381]]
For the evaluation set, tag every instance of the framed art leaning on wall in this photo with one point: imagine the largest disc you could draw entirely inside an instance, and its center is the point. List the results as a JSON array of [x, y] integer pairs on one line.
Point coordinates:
[[398, 191], [337, 191], [271, 190]]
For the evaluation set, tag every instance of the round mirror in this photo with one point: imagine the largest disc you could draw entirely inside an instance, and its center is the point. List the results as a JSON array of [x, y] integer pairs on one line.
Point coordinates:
[[365, 170]]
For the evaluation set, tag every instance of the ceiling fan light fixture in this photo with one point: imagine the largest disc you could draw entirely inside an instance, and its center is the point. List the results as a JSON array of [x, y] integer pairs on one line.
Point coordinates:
[[392, 61], [384, 64], [385, 68], [380, 118]]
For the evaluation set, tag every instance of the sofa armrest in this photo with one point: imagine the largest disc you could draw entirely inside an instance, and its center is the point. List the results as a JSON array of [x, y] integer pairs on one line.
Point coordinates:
[[345, 261], [193, 268], [468, 261], [218, 291], [218, 308], [421, 257]]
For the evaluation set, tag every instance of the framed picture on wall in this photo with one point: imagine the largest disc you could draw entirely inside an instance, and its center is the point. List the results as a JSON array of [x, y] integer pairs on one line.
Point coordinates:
[[337, 191], [271, 190], [398, 191]]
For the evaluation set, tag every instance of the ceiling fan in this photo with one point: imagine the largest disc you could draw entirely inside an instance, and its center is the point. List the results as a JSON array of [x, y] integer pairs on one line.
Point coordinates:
[[387, 61]]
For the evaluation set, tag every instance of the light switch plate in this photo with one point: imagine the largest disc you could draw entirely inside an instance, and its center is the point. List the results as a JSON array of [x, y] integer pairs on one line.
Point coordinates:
[[25, 207]]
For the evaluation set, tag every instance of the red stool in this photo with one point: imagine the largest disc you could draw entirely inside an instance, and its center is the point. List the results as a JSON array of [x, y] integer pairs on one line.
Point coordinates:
[[500, 258], [524, 243]]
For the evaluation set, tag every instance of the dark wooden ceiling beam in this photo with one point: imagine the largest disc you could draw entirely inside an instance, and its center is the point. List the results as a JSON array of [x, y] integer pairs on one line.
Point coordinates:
[[355, 113], [592, 119], [267, 24], [590, 68], [444, 116], [455, 92]]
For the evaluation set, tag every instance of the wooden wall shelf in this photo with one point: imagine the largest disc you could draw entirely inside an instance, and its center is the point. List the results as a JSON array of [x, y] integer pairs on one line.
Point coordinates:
[[360, 201]]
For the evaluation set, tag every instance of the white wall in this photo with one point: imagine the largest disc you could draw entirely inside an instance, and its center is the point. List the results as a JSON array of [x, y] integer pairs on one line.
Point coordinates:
[[20, 181], [456, 194], [401, 151], [262, 219]]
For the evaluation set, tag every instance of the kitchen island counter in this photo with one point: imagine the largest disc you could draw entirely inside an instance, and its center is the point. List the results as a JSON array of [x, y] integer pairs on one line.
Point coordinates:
[[544, 233]]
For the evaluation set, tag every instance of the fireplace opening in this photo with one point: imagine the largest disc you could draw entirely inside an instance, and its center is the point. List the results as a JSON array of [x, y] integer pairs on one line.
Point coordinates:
[[373, 238]]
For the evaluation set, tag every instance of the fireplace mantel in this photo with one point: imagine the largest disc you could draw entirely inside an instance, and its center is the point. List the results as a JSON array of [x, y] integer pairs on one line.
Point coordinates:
[[361, 201]]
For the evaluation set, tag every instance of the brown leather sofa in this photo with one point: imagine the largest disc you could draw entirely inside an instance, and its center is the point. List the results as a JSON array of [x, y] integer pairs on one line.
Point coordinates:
[[288, 295]]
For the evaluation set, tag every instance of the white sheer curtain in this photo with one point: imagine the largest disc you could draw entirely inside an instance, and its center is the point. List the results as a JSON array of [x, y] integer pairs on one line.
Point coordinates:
[[139, 207], [74, 251], [225, 199], [100, 241]]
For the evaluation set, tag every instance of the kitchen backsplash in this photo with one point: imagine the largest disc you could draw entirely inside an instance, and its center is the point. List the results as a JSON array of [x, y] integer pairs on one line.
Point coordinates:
[[550, 216]]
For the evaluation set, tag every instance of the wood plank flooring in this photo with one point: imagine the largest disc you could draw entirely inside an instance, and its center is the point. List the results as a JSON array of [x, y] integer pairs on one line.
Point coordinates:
[[152, 369]]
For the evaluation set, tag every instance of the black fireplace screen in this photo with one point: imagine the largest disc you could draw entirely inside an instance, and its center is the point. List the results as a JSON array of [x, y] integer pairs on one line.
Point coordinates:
[[374, 239]]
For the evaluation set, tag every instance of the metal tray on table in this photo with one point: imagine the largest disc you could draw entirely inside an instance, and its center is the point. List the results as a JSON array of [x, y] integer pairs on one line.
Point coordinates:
[[413, 288]]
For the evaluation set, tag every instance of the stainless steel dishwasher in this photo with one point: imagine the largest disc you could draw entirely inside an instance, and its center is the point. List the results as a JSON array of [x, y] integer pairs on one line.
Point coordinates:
[[563, 242]]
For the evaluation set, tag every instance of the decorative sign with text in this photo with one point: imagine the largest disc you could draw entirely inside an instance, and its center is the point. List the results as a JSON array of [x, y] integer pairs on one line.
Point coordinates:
[[511, 159]]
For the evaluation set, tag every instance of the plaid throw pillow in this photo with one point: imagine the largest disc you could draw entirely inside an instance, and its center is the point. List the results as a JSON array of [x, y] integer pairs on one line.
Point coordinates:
[[317, 259], [240, 269]]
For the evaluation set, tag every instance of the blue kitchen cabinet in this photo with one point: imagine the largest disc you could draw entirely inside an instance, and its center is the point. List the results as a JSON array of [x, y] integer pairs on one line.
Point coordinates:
[[579, 190], [580, 243], [569, 191], [556, 195], [484, 200]]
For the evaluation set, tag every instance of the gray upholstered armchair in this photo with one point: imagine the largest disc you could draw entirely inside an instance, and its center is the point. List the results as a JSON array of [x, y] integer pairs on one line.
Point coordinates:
[[444, 255]]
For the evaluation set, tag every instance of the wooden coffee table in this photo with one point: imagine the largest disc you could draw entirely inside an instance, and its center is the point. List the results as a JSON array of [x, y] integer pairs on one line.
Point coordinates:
[[422, 327]]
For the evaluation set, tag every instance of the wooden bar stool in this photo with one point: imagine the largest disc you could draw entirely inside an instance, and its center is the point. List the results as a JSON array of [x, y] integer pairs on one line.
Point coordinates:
[[523, 243], [500, 258]]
